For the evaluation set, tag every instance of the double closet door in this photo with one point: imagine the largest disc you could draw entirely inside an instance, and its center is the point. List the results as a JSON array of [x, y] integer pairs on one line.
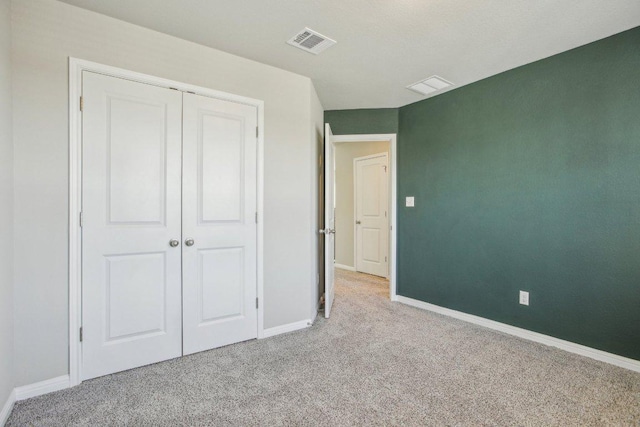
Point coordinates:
[[168, 224]]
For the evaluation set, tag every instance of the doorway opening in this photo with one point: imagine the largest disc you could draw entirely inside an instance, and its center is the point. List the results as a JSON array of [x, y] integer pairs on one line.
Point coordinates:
[[360, 208]]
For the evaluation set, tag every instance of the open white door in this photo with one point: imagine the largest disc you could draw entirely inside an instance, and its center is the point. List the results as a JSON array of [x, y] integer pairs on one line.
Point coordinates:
[[329, 220]]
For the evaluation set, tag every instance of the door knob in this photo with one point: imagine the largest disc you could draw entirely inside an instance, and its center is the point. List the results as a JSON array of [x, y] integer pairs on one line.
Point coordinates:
[[174, 242], [189, 242], [358, 222]]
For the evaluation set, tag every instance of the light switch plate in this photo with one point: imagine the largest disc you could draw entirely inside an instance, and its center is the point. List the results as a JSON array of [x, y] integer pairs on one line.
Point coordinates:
[[524, 298], [410, 202]]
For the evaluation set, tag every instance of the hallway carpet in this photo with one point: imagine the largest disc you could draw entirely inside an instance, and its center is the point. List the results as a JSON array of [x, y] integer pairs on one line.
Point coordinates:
[[373, 363]]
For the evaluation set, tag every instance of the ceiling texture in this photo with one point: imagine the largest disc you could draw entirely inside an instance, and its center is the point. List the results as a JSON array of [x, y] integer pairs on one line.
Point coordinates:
[[383, 45]]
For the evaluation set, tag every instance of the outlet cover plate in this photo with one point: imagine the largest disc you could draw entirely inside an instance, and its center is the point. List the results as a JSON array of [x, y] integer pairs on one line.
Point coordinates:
[[524, 297]]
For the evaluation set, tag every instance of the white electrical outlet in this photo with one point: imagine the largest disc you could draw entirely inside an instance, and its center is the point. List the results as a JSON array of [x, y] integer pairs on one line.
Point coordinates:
[[410, 202], [524, 297]]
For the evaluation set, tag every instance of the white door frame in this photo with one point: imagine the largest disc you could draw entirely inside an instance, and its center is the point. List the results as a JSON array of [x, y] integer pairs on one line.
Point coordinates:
[[391, 138], [355, 208], [76, 67]]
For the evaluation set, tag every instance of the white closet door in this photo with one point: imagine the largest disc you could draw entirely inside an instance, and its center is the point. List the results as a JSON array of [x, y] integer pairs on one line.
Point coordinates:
[[131, 286], [219, 223]]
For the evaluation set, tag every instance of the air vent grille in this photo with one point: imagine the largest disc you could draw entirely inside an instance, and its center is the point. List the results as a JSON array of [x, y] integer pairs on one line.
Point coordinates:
[[429, 85], [303, 35], [311, 41]]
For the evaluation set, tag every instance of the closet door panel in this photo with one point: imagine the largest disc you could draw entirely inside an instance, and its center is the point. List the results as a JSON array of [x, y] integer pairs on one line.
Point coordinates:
[[131, 276], [219, 207]]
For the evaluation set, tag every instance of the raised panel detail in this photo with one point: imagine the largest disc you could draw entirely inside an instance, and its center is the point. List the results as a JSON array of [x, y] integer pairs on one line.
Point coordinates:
[[220, 169], [371, 244], [370, 190], [221, 283], [136, 169], [135, 295]]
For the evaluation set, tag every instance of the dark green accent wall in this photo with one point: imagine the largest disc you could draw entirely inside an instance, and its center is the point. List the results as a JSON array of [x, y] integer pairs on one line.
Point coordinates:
[[365, 121], [530, 180]]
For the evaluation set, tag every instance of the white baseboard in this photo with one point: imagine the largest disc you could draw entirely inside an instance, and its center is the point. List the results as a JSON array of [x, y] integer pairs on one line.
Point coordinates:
[[8, 406], [603, 356], [43, 387], [290, 327], [344, 267]]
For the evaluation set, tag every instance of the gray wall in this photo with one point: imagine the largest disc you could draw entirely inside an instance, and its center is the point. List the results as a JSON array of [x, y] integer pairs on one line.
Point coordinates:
[[6, 207], [45, 34], [345, 153]]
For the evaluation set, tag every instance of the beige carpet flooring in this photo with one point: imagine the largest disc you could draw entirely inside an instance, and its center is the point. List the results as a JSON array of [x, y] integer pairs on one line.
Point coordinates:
[[373, 363]]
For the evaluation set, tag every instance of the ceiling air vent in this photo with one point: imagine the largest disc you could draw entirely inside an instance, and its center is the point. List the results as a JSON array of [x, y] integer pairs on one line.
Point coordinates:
[[429, 85], [311, 41]]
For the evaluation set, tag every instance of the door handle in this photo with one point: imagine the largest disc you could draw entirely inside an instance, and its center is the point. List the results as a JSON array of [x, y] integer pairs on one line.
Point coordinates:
[[174, 242], [327, 231], [189, 242], [358, 222]]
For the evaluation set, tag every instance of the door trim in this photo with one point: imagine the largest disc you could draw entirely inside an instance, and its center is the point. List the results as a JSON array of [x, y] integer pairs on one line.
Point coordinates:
[[76, 67], [391, 138], [355, 208]]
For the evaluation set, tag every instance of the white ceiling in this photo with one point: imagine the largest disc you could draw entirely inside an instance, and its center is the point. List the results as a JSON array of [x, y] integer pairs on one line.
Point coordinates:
[[383, 45]]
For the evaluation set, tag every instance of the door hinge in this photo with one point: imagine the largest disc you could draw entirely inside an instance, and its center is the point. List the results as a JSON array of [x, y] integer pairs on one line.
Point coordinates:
[[81, 219], [81, 103], [385, 259], [385, 168], [256, 217], [256, 131], [256, 303], [80, 334]]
